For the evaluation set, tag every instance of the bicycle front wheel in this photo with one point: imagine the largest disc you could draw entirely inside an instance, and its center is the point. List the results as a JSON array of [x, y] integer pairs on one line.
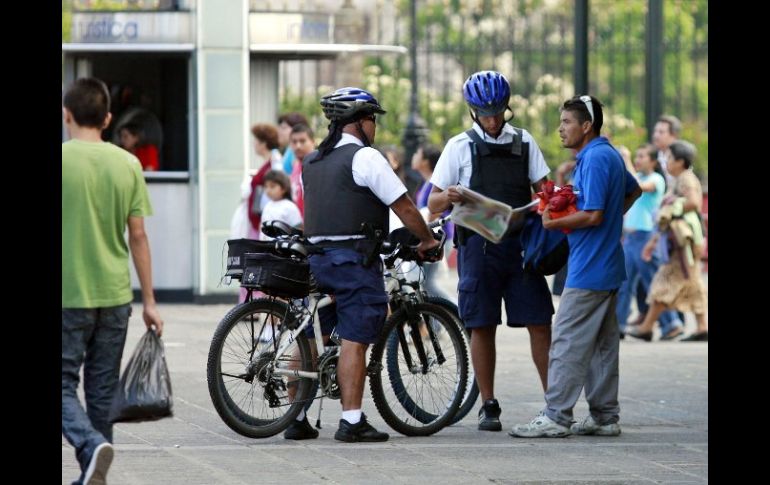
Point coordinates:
[[472, 389], [424, 359], [246, 392]]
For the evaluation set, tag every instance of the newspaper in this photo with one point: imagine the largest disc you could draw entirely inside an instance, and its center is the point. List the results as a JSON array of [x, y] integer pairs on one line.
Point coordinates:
[[488, 217]]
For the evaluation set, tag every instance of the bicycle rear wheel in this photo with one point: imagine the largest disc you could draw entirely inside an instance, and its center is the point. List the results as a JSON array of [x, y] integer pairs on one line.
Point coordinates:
[[425, 362], [247, 395]]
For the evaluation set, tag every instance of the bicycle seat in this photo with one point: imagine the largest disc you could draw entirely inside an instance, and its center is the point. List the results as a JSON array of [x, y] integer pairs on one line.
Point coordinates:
[[279, 228]]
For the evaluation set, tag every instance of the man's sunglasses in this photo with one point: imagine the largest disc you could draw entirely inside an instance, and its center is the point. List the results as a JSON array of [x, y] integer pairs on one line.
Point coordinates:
[[371, 118], [589, 105]]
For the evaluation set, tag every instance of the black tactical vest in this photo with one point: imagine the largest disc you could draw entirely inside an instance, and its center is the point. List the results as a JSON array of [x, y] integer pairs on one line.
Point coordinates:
[[335, 204], [500, 172]]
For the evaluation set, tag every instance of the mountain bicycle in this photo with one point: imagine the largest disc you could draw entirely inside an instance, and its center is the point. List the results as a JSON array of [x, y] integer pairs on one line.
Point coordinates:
[[258, 386]]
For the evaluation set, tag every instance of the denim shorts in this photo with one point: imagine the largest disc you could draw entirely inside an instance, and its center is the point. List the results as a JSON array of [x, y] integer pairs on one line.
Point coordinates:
[[492, 272], [361, 304]]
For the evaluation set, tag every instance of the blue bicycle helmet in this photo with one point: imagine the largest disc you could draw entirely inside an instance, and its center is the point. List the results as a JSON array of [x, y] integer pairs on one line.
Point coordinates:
[[487, 92], [349, 104]]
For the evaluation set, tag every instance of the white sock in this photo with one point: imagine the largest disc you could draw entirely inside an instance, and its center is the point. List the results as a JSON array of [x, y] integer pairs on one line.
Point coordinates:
[[301, 415], [352, 416]]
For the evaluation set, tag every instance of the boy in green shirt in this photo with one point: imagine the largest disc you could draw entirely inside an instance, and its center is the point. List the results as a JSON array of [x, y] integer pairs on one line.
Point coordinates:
[[103, 191]]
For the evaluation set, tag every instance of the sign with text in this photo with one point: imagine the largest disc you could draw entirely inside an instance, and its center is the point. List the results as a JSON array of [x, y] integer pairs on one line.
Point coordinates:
[[132, 27], [291, 28]]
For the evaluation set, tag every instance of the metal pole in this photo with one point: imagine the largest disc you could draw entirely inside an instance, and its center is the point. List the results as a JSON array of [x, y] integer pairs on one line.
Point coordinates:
[[580, 71], [653, 80], [414, 134]]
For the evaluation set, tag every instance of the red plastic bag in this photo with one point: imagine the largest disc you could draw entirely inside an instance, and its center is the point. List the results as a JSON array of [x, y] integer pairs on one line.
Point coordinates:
[[560, 201]]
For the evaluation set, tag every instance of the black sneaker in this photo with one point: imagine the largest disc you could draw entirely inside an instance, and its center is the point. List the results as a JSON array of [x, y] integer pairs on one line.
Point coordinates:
[[361, 431], [300, 430], [489, 416]]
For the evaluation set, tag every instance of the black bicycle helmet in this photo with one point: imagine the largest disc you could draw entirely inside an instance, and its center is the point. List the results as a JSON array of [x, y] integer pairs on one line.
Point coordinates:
[[349, 104]]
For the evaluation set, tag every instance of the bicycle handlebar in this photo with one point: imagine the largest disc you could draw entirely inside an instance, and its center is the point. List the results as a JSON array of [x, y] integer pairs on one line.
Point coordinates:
[[407, 250], [441, 221]]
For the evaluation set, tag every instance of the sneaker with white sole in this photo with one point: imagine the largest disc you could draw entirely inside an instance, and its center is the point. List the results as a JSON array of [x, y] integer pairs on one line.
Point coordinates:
[[589, 426], [96, 473], [540, 427]]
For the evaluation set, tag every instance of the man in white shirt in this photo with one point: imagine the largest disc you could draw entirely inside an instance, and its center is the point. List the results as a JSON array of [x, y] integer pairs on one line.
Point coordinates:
[[347, 183], [666, 131], [504, 163]]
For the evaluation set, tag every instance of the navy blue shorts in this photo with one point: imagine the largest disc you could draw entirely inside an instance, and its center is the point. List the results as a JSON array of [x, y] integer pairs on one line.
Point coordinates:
[[361, 303], [492, 272]]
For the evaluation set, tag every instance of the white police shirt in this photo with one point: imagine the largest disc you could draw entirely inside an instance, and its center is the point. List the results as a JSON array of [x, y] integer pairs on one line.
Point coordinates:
[[372, 170], [454, 166]]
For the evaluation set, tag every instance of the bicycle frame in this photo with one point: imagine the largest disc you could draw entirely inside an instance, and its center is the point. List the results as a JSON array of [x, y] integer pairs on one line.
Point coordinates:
[[406, 294], [316, 301]]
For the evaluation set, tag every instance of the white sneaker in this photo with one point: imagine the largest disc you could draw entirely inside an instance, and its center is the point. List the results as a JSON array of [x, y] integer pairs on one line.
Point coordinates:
[[590, 427], [96, 473], [540, 427]]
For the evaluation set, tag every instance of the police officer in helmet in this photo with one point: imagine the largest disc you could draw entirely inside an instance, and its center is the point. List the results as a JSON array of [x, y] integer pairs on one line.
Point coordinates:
[[505, 164], [349, 185]]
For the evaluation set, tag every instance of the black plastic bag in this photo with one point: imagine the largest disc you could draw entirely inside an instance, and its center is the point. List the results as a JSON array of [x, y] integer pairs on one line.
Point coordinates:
[[144, 393]]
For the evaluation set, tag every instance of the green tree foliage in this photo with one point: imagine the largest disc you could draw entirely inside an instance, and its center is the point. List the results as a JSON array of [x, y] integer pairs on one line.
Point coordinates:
[[538, 114], [66, 20], [479, 34]]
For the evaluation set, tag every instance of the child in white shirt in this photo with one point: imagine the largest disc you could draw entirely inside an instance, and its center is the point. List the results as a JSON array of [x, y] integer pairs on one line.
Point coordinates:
[[280, 207]]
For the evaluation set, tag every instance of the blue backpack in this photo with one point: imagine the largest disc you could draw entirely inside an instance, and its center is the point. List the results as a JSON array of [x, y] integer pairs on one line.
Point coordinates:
[[543, 251]]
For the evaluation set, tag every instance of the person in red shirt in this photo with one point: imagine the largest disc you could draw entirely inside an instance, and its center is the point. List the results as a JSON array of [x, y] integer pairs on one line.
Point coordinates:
[[302, 144], [266, 146], [132, 139]]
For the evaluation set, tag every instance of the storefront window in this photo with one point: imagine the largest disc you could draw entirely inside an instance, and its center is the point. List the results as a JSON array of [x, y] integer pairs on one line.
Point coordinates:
[[150, 104]]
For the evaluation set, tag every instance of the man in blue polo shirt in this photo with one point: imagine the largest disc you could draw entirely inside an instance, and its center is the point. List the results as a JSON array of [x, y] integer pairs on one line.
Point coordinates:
[[585, 336]]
